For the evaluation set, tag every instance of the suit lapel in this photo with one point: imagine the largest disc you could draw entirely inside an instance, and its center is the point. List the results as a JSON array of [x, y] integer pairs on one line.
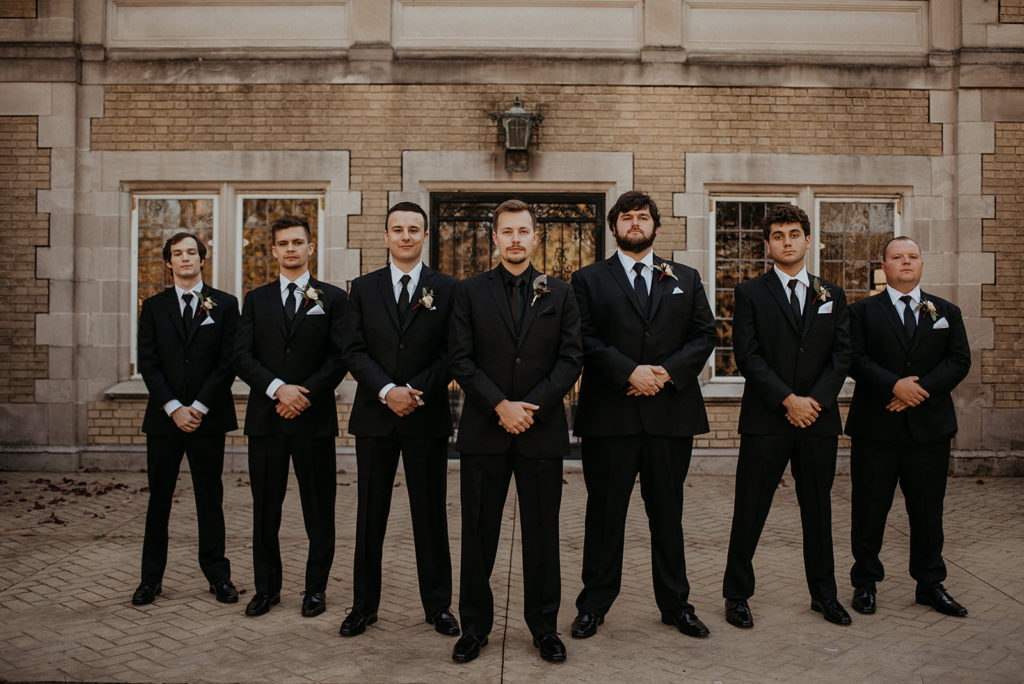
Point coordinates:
[[774, 287], [272, 293], [810, 306], [889, 313], [387, 295], [531, 311], [497, 289], [619, 276], [304, 306], [196, 319], [924, 325], [171, 303], [661, 286], [426, 279]]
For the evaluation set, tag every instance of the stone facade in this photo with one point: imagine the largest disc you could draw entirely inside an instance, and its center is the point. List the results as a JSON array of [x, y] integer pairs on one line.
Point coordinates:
[[1011, 11]]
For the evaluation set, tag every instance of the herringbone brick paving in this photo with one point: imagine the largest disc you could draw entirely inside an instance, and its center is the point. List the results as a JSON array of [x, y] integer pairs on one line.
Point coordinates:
[[65, 611]]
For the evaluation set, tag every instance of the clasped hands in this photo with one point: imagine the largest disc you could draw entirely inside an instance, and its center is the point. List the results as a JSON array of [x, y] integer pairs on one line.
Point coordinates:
[[647, 380], [187, 418], [291, 400], [402, 400], [906, 393], [515, 416], [801, 411]]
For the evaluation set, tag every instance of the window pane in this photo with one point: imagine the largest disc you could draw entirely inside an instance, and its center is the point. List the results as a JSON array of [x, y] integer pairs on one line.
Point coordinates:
[[258, 263], [853, 235], [159, 219]]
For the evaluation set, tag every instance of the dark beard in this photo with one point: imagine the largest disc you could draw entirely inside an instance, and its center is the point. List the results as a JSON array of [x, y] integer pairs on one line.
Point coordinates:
[[627, 244]]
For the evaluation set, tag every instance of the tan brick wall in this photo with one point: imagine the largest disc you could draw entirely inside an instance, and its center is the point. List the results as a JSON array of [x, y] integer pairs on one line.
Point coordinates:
[[24, 169], [1011, 11], [119, 422], [17, 9], [659, 125], [724, 418], [1003, 366]]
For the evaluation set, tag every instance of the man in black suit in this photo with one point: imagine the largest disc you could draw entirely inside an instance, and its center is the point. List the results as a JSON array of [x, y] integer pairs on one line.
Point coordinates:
[[289, 352], [396, 337], [792, 344], [514, 347], [647, 333], [909, 351], [186, 346]]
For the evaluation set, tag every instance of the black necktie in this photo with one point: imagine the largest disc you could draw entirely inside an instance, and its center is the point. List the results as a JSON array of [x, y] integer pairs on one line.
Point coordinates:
[[640, 287], [794, 302], [516, 300], [289, 303], [909, 321], [186, 313], [403, 298]]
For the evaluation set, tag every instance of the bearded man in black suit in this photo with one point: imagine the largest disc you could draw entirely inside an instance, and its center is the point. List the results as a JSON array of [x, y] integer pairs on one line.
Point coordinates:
[[396, 346], [792, 343], [910, 351], [186, 346], [289, 352], [514, 347], [647, 332]]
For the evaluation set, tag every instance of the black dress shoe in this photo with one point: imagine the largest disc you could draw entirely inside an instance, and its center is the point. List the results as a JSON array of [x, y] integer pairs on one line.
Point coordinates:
[[444, 622], [687, 623], [832, 611], [585, 625], [260, 603], [146, 593], [355, 623], [551, 647], [225, 591], [468, 648], [313, 603], [737, 613], [938, 598], [863, 601]]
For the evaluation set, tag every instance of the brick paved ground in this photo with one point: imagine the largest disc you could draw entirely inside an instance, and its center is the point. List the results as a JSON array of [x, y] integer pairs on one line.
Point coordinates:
[[65, 611]]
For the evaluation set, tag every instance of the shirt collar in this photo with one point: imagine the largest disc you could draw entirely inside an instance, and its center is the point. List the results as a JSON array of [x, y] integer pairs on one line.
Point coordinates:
[[784, 278], [301, 281], [397, 273], [198, 288], [628, 261], [506, 277], [894, 294]]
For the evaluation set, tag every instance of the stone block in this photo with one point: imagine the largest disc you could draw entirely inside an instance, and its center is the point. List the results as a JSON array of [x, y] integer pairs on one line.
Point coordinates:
[[25, 99], [54, 391], [980, 332], [55, 328], [55, 201], [62, 298], [942, 106], [1001, 429], [968, 298], [968, 106], [56, 131], [941, 236], [968, 174], [55, 262], [976, 206], [942, 175], [969, 427], [976, 267], [976, 137], [689, 204], [61, 363], [969, 234]]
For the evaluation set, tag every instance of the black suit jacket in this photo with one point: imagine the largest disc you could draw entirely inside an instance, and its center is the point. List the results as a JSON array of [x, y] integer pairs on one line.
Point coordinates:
[[881, 356], [187, 368], [379, 350], [491, 363], [779, 355], [679, 334], [307, 353]]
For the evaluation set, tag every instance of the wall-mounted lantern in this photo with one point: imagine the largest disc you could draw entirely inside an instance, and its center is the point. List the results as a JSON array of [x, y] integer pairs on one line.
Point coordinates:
[[518, 126]]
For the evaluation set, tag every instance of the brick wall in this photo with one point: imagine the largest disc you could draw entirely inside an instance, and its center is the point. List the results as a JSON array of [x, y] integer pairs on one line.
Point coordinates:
[[377, 122], [24, 169], [724, 418], [1003, 366], [17, 9], [1011, 11]]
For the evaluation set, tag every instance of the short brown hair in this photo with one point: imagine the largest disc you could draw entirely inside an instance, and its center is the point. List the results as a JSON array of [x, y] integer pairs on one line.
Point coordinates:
[[410, 207], [289, 222], [632, 201], [781, 214], [178, 237], [513, 206]]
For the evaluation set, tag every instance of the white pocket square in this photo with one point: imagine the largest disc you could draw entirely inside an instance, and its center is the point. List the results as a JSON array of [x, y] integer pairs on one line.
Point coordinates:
[[316, 311], [825, 308], [940, 324], [677, 290], [206, 321]]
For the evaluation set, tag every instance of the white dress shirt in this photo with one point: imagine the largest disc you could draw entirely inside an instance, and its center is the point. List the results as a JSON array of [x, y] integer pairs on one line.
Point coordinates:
[[648, 271], [396, 286], [804, 283], [301, 282], [894, 296]]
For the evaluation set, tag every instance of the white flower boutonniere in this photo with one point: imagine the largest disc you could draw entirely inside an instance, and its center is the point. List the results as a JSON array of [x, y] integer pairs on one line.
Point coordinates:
[[206, 304], [540, 288], [311, 294], [664, 270], [821, 292], [928, 306], [426, 301]]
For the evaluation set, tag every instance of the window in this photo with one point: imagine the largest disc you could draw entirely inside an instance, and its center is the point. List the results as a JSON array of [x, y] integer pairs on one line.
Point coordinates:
[[256, 213], [849, 234], [154, 219]]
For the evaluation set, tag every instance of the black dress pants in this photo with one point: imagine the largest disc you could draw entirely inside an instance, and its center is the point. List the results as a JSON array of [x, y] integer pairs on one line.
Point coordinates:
[[920, 469], [610, 468], [315, 470], [426, 478], [206, 463], [762, 461], [484, 482]]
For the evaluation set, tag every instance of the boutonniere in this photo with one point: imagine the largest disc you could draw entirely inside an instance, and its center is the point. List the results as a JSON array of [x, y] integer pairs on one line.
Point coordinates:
[[426, 301], [311, 294], [821, 292], [928, 306], [206, 304], [664, 270], [540, 288]]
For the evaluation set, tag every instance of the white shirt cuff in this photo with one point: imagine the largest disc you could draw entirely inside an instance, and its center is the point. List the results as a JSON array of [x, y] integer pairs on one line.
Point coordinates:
[[274, 385], [172, 406], [199, 406], [382, 395]]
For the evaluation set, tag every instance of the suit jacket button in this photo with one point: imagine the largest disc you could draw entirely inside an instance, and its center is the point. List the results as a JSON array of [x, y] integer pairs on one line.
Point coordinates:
[[801, 350], [401, 346], [518, 361], [287, 351]]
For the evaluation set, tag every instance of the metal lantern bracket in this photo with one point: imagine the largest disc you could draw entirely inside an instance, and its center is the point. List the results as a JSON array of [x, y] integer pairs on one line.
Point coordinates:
[[517, 123]]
